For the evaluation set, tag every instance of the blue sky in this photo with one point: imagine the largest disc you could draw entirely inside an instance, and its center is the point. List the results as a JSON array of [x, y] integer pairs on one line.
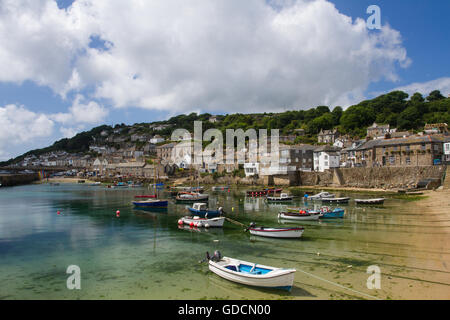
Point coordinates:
[[92, 87]]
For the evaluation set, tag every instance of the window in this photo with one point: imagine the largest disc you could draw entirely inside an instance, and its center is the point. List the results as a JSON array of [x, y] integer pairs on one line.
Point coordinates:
[[326, 163], [326, 157], [408, 160], [408, 148], [436, 148], [423, 146], [392, 160]]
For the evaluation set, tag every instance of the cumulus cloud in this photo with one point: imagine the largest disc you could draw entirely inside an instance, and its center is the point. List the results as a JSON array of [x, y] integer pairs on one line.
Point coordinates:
[[185, 55], [441, 84], [90, 112], [19, 125]]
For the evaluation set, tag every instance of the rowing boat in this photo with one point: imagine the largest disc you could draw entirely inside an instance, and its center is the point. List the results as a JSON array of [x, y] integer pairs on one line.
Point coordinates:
[[198, 222], [308, 216], [370, 201], [252, 274], [201, 210], [277, 232], [154, 203], [336, 200], [284, 197]]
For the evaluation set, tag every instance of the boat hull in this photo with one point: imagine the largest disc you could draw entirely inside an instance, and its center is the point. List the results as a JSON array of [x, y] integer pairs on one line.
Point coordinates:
[[275, 278], [203, 222], [284, 233], [151, 204], [335, 200], [298, 217], [335, 214], [369, 201]]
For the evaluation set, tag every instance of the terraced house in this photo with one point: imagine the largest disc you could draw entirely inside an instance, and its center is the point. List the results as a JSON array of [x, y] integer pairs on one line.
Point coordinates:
[[410, 151]]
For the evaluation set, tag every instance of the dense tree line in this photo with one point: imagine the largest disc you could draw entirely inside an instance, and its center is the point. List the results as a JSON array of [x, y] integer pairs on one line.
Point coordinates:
[[393, 108]]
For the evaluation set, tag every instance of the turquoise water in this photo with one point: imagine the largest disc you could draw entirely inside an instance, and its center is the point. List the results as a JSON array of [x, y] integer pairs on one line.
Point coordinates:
[[145, 255]]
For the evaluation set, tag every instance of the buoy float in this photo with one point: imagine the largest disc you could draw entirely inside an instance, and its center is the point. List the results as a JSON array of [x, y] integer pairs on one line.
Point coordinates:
[[118, 214], [232, 209], [191, 224], [58, 212], [180, 222]]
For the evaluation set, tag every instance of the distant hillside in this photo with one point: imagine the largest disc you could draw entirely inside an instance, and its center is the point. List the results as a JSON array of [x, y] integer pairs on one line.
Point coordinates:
[[392, 108]]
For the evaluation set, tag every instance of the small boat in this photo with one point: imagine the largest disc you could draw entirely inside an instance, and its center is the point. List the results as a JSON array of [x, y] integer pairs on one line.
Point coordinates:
[[252, 274], [174, 191], [95, 184], [276, 232], [299, 216], [198, 222], [54, 183], [327, 213], [201, 210], [319, 196], [219, 188], [153, 203], [370, 201], [147, 196], [191, 197], [336, 200], [282, 198], [262, 193]]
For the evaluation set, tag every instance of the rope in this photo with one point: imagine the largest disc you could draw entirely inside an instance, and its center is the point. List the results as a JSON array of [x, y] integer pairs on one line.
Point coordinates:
[[338, 285]]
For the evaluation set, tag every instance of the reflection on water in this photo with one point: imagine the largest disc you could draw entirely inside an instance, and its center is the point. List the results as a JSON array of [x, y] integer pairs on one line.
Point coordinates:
[[144, 254]]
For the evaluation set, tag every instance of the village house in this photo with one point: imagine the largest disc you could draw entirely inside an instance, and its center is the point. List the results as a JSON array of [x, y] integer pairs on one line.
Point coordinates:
[[328, 136], [326, 157], [156, 139], [213, 119], [376, 131], [446, 148], [291, 159], [410, 151], [164, 152], [348, 155], [99, 167], [435, 128], [300, 132], [139, 137]]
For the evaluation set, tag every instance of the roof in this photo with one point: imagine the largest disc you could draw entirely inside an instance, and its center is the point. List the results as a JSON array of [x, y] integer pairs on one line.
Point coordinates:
[[131, 165], [399, 141], [327, 148]]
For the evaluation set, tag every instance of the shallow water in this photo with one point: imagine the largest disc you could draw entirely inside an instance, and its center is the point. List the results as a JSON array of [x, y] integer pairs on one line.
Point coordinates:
[[145, 255]]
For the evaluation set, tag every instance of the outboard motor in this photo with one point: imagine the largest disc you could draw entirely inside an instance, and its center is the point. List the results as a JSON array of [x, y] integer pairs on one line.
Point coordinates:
[[217, 256]]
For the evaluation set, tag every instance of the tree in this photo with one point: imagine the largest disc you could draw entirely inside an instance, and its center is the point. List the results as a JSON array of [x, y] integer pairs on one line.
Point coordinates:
[[337, 114], [435, 95], [417, 98]]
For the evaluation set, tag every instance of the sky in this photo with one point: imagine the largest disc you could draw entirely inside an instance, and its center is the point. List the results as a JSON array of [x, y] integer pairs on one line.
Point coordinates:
[[68, 66]]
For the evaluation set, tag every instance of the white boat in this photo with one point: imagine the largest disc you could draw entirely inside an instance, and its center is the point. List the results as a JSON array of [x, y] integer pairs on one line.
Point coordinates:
[[277, 232], [370, 201], [253, 274], [221, 188], [283, 197], [198, 222], [310, 216], [320, 195]]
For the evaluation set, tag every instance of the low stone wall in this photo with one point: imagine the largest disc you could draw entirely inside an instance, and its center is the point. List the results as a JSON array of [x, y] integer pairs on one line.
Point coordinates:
[[379, 177], [9, 180]]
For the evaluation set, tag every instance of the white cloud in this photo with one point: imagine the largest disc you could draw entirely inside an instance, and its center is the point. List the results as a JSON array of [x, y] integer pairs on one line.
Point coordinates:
[[441, 84], [79, 112], [179, 56], [19, 125]]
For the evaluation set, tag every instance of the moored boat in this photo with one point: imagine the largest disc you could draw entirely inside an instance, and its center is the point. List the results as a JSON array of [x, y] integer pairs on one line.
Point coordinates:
[[198, 222], [284, 197], [220, 188], [327, 213], [262, 193], [252, 274], [370, 201], [191, 197], [319, 196], [201, 210], [276, 232], [306, 216], [336, 200], [147, 196], [153, 203]]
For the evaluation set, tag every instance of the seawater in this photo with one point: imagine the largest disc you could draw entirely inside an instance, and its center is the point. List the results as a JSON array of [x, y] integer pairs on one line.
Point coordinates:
[[145, 255]]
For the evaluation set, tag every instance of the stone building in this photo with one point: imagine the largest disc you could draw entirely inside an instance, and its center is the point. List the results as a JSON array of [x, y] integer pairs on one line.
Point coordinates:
[[328, 136], [410, 151], [376, 130]]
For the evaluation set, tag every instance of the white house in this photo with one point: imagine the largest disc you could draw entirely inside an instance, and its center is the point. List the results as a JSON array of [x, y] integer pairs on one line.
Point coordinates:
[[326, 157], [156, 139], [251, 169], [447, 150]]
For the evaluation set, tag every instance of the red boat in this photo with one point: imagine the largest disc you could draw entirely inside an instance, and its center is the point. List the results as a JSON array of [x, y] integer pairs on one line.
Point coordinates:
[[147, 196]]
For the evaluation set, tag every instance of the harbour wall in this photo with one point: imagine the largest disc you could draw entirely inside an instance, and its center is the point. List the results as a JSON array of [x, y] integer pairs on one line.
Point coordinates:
[[9, 180]]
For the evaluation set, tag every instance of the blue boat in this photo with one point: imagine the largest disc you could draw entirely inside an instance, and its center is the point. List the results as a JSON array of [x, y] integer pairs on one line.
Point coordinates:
[[327, 213], [202, 211], [151, 203]]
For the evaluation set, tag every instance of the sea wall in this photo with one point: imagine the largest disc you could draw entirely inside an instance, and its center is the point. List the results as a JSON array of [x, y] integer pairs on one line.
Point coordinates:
[[9, 180], [379, 177]]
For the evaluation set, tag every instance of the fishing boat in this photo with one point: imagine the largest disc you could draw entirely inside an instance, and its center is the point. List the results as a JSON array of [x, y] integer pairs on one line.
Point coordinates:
[[336, 200], [191, 197], [152, 203], [262, 193], [275, 232], [320, 195], [300, 216], [220, 188], [201, 210], [327, 213], [252, 274], [198, 222], [174, 191], [284, 197], [370, 201]]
